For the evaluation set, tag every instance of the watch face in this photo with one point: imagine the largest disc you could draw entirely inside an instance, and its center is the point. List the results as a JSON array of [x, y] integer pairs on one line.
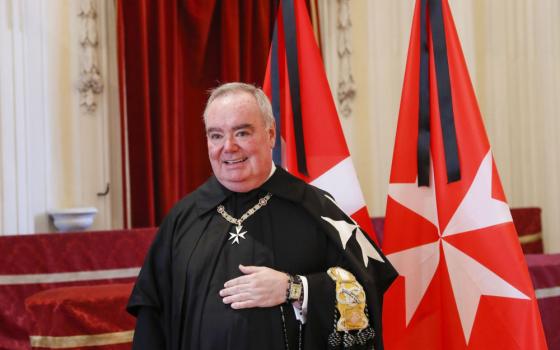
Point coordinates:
[[295, 291]]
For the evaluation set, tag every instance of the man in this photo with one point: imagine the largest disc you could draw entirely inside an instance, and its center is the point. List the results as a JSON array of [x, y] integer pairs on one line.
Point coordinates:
[[256, 258]]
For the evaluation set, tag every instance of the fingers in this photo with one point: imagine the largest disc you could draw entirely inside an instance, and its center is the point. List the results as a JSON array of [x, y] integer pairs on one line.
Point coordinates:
[[246, 270], [244, 304], [236, 289], [237, 281], [237, 298], [244, 300], [250, 269]]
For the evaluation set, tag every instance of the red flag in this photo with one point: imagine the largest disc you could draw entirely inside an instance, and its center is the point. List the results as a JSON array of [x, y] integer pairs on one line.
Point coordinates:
[[463, 281], [325, 153]]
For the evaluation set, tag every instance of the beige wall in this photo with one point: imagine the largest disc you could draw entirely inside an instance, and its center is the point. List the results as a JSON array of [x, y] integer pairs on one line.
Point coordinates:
[[54, 153], [512, 49]]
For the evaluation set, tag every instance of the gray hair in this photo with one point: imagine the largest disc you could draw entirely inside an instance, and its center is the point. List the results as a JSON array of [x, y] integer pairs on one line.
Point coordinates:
[[236, 87]]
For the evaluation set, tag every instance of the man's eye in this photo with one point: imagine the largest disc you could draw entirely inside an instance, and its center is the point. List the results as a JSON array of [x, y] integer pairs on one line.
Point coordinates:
[[242, 133], [214, 136]]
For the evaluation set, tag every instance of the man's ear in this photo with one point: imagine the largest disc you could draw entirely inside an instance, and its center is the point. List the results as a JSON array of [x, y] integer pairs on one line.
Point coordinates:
[[272, 135]]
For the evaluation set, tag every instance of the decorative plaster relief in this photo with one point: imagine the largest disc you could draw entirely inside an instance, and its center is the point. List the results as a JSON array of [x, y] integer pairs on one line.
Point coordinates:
[[346, 88], [90, 83]]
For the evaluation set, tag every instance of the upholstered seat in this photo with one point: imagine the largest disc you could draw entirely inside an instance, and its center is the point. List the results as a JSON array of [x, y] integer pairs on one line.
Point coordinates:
[[81, 316]]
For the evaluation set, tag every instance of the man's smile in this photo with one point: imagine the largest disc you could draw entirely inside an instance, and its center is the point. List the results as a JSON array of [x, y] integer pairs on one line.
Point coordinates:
[[235, 161]]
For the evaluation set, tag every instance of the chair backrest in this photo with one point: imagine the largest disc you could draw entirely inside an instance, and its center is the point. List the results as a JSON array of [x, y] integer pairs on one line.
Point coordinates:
[[527, 222]]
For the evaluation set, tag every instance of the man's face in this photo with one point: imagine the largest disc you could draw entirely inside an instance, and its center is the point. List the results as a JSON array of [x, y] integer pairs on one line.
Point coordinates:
[[239, 144]]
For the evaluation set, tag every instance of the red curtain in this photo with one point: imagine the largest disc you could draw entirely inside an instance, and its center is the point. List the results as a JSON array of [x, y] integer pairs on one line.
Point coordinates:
[[171, 53]]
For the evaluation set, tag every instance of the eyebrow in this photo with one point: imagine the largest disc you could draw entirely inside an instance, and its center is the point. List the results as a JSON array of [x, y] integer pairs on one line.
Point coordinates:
[[209, 130], [243, 126], [235, 128]]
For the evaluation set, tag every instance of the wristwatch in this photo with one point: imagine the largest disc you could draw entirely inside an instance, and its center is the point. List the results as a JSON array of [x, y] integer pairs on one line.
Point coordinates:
[[295, 289]]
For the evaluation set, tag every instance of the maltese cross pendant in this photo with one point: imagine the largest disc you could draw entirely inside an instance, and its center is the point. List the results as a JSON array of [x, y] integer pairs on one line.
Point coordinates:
[[235, 236]]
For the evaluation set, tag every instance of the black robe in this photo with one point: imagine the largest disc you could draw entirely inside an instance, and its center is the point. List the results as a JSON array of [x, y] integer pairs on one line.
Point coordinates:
[[176, 295]]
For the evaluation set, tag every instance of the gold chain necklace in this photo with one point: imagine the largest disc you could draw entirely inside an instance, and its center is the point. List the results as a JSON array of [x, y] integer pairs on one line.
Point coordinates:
[[235, 236]]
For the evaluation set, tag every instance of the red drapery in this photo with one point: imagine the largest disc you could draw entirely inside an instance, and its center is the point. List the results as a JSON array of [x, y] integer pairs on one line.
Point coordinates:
[[171, 54]]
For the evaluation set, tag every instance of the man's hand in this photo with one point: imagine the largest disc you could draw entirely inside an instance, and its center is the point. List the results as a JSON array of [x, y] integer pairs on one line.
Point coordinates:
[[259, 287]]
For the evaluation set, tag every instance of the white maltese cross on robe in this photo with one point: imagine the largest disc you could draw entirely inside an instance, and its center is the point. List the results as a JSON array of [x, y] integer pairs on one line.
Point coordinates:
[[235, 235], [345, 231]]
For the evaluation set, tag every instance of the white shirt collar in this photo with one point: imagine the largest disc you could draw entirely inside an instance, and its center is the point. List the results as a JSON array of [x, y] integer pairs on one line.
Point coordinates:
[[272, 170]]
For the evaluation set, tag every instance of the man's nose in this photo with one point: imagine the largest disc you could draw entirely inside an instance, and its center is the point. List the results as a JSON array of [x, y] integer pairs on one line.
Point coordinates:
[[230, 144]]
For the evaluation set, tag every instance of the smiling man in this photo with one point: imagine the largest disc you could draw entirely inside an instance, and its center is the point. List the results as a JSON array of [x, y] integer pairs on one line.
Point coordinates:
[[256, 258]]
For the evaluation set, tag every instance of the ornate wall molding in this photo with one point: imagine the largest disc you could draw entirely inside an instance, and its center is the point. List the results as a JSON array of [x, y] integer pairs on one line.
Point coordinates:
[[346, 90], [91, 83]]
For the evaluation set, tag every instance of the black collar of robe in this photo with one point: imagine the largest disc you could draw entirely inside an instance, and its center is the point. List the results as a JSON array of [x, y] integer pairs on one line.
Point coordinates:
[[376, 277], [280, 184]]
